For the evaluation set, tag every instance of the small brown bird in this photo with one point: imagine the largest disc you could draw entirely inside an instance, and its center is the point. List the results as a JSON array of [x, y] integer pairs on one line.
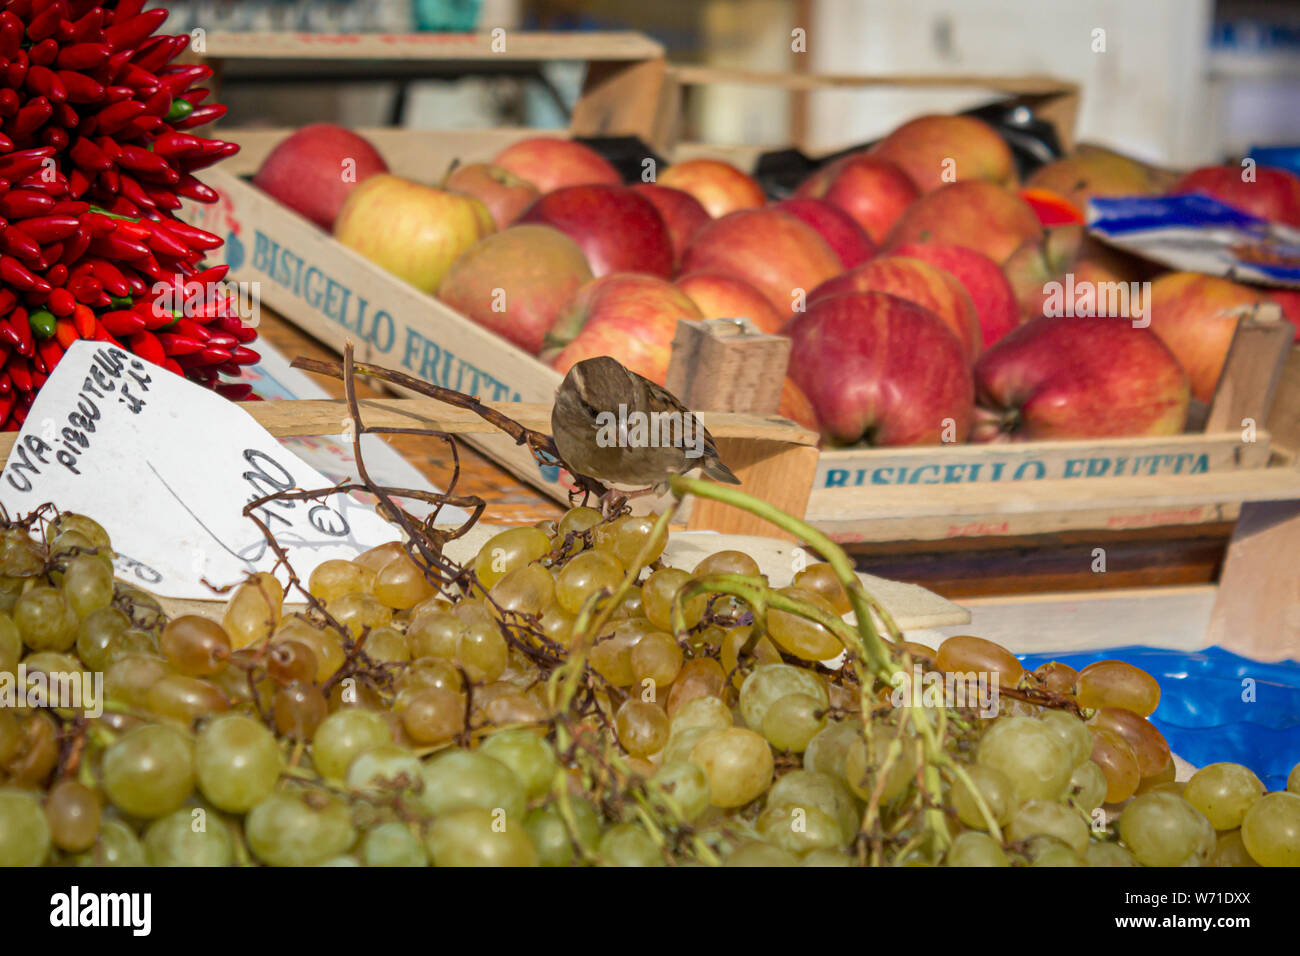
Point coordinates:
[[611, 424]]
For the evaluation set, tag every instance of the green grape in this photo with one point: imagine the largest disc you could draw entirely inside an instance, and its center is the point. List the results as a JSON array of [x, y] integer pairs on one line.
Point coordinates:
[[335, 578], [611, 657], [1223, 792], [528, 755], [657, 596], [296, 828], [799, 829], [45, 620], [94, 636], [237, 762], [799, 636], [483, 652], [657, 658], [770, 682], [189, 838], [627, 844], [862, 767], [149, 771], [343, 861], [465, 779], [24, 832], [1109, 854], [1292, 782], [526, 590], [117, 845], [757, 853], [680, 788], [1087, 787], [680, 745], [87, 585], [1230, 850], [1073, 732], [1042, 817], [829, 748], [996, 789], [185, 699], [964, 654], [393, 844], [1031, 754], [738, 764], [1162, 829], [11, 646], [507, 550], [434, 634], [86, 526], [1271, 829], [792, 721], [973, 848], [387, 645], [810, 788], [1118, 684], [642, 727], [344, 734], [550, 835], [822, 579], [386, 767], [585, 574], [1049, 851], [710, 712], [826, 858], [475, 836]]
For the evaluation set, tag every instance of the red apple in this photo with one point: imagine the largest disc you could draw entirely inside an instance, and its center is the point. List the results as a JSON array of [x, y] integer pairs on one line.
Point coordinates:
[[849, 240], [995, 305], [873, 191], [1289, 300], [1100, 377], [628, 316], [682, 212], [916, 281], [720, 187], [515, 282], [773, 251], [978, 215], [551, 163], [881, 370], [721, 296], [505, 194], [1196, 316], [938, 149], [313, 170], [414, 231], [618, 229], [1272, 194]]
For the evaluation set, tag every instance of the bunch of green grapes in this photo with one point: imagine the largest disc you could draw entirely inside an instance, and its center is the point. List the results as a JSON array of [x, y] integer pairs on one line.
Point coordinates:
[[568, 699]]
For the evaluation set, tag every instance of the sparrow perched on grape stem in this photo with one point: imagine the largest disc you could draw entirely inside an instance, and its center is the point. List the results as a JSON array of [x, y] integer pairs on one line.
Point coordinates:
[[612, 424]]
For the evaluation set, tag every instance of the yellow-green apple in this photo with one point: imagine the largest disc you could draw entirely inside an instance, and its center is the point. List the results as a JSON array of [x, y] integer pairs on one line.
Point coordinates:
[[629, 316], [720, 187], [1262, 191], [1196, 316], [779, 255], [873, 191], [978, 215], [916, 281], [1096, 377], [313, 169], [849, 240], [618, 229], [719, 296], [995, 304], [880, 370], [414, 231], [937, 149], [1096, 171], [505, 194], [682, 212], [1065, 264], [551, 163], [515, 282]]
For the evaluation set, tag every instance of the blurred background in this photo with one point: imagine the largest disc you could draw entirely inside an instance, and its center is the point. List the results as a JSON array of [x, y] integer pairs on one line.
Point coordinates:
[[1180, 82]]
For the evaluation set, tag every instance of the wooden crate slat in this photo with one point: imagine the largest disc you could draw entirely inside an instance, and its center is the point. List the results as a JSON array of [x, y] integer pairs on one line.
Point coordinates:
[[519, 45]]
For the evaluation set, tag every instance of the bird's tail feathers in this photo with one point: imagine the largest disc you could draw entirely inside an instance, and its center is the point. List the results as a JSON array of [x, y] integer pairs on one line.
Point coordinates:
[[715, 469]]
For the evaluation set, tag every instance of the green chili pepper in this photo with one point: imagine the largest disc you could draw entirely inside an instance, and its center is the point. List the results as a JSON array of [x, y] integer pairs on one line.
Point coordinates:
[[180, 109], [42, 322], [121, 302]]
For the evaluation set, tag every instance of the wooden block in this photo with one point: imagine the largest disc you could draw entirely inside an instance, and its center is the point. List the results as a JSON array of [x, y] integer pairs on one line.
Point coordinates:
[[621, 99], [727, 365], [781, 475], [1257, 609], [1284, 417], [1251, 371]]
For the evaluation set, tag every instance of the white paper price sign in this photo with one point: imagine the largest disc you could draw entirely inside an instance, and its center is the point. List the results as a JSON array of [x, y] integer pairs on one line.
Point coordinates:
[[167, 466]]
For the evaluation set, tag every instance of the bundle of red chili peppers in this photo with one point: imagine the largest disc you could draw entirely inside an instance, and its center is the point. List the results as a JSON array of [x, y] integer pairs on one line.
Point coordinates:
[[96, 154]]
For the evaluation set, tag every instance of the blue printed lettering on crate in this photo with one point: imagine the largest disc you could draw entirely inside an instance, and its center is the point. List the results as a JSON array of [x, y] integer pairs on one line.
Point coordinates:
[[337, 302], [1030, 469]]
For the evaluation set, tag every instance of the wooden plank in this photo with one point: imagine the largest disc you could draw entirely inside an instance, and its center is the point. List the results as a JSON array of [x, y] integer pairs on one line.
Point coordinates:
[[1284, 418], [781, 475], [1257, 610], [519, 45], [1251, 371], [690, 75]]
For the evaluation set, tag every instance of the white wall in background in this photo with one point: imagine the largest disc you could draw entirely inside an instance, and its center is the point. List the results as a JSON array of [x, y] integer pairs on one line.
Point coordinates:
[[1147, 94]]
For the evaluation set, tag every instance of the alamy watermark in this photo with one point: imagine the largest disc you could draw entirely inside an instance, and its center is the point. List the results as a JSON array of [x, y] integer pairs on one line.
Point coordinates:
[[926, 688], [1083, 299], [74, 690], [630, 428], [209, 300]]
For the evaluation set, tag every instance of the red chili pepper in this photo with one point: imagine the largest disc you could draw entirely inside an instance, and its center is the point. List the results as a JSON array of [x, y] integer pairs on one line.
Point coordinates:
[[83, 56], [18, 243], [50, 351], [111, 247], [147, 346], [58, 186], [51, 228], [13, 273], [11, 36], [61, 302], [172, 365], [194, 237], [70, 207], [163, 198], [78, 183], [201, 116], [99, 225], [46, 22], [43, 53], [110, 180], [125, 34], [134, 191], [114, 282], [43, 81], [22, 203], [9, 103], [57, 274], [223, 341], [210, 274], [80, 87], [88, 156], [66, 333], [126, 229], [16, 71], [55, 137], [9, 333], [155, 58], [122, 322], [179, 144], [17, 165], [178, 79], [86, 289], [17, 320], [75, 247], [179, 344], [142, 161], [84, 319], [191, 329], [113, 117], [192, 163], [210, 355], [137, 78], [7, 301], [91, 25], [31, 117]]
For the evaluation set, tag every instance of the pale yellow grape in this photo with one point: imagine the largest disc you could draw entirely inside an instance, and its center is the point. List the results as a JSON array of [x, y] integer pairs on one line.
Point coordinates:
[[792, 721], [185, 699], [358, 611], [507, 550], [1224, 792], [325, 644], [656, 658], [117, 845], [994, 787], [611, 657], [632, 534], [129, 678], [809, 788], [149, 771], [1118, 684], [973, 848], [383, 768], [801, 637], [826, 858], [707, 711], [88, 584], [657, 596], [393, 844], [387, 645], [1044, 817], [768, 683], [726, 562], [799, 829], [1230, 850], [45, 620], [74, 813], [335, 578], [526, 590], [527, 754], [757, 853], [1031, 754], [682, 787], [1109, 854], [11, 646], [822, 579], [626, 844], [483, 652], [375, 558], [462, 779], [681, 744], [434, 634], [1087, 786], [293, 828], [1113, 754], [1049, 851], [550, 834], [401, 584], [738, 763], [194, 645], [642, 727], [1073, 732], [1162, 829], [237, 762], [24, 833], [699, 677], [1271, 829], [577, 520], [862, 767], [966, 654], [344, 734], [583, 575], [1293, 781], [176, 840]]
